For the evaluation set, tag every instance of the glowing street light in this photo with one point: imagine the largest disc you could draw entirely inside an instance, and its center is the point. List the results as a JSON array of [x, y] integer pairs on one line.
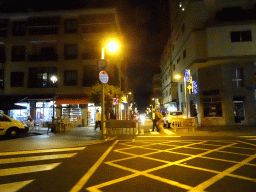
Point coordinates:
[[111, 47]]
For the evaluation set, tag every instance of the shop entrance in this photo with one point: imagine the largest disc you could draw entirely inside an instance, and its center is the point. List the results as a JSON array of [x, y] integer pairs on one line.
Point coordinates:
[[238, 111]]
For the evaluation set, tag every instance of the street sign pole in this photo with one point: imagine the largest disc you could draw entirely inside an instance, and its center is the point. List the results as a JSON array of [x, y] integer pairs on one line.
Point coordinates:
[[103, 76]]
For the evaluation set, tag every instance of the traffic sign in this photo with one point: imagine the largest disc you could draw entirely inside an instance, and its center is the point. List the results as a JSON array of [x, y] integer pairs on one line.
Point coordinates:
[[103, 76]]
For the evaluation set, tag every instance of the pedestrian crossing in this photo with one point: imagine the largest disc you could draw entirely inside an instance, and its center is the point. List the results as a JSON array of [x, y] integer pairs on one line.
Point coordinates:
[[41, 158]]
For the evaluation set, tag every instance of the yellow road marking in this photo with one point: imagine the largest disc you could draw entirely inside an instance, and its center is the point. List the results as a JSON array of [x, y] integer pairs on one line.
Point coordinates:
[[216, 178], [36, 158], [41, 151], [13, 187], [90, 172], [27, 169]]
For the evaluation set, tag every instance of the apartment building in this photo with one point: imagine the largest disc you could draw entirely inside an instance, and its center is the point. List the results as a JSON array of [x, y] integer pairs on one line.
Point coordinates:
[[68, 44], [212, 49]]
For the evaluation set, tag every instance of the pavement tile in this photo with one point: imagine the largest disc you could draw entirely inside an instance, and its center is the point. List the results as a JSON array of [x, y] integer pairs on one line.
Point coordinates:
[[142, 183], [247, 171], [226, 156], [210, 164], [184, 175], [232, 184], [140, 164]]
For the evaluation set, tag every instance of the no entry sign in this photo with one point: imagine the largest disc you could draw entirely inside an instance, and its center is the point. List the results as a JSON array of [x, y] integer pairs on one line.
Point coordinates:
[[103, 77]]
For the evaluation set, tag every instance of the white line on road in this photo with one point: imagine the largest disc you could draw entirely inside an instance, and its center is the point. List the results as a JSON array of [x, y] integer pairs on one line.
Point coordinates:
[[89, 173], [13, 187], [41, 151], [36, 158], [28, 169]]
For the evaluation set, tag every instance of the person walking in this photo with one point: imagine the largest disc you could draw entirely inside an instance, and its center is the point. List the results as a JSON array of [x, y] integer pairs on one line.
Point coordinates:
[[98, 120], [159, 123], [154, 118]]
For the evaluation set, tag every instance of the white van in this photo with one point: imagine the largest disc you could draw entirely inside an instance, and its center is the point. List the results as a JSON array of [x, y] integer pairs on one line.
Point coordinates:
[[11, 127]]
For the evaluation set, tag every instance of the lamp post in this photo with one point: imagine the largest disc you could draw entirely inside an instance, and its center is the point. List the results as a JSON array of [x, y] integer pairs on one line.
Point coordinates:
[[112, 47], [185, 91], [54, 80]]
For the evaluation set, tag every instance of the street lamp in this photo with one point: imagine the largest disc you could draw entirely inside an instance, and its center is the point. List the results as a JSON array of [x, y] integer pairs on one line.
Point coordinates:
[[185, 91], [54, 80], [111, 47]]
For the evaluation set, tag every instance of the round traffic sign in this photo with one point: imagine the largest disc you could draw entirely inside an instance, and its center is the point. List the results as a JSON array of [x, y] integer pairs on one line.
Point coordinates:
[[103, 77]]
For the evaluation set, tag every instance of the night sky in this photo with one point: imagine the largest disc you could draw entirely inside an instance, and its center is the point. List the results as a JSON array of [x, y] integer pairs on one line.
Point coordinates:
[[146, 29]]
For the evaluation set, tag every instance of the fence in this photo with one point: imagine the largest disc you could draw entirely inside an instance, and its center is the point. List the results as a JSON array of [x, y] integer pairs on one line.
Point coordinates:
[[122, 127], [189, 123]]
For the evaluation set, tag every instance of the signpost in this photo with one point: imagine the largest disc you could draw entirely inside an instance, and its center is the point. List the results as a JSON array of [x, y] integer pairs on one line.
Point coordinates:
[[103, 76]]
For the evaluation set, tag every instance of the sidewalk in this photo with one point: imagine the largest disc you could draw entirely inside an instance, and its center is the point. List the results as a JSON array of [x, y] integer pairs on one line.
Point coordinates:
[[80, 135]]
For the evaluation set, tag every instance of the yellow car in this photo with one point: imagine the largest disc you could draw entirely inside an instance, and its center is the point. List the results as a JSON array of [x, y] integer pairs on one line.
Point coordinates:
[[11, 127]]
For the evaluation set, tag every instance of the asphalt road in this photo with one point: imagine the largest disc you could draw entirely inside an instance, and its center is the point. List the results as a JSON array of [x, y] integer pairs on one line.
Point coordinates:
[[151, 163]]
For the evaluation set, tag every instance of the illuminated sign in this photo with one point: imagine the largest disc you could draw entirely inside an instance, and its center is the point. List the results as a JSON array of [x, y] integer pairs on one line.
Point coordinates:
[[103, 76]]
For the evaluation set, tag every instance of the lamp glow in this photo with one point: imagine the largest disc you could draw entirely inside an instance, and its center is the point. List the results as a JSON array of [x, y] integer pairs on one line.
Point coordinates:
[[112, 46]]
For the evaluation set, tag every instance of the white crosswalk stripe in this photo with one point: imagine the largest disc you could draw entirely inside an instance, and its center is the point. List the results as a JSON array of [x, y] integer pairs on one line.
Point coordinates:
[[34, 156]]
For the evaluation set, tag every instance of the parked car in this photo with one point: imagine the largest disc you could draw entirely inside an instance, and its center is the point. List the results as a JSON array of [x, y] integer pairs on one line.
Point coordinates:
[[11, 127], [171, 115]]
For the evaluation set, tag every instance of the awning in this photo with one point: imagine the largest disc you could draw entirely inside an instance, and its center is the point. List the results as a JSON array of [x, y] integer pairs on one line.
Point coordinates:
[[72, 99]]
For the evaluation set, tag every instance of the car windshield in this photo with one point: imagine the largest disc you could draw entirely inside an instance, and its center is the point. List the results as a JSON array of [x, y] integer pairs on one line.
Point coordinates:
[[176, 113]]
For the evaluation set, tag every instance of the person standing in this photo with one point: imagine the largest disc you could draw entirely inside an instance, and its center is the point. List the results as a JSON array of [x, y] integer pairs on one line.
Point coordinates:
[[98, 120], [159, 122], [154, 119]]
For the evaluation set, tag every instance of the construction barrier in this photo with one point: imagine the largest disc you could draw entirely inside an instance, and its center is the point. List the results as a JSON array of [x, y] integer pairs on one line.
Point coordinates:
[[122, 127], [189, 123]]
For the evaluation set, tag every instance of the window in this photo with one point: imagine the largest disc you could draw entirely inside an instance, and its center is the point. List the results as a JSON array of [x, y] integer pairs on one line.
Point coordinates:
[[70, 77], [19, 28], [212, 107], [184, 54], [40, 77], [181, 88], [183, 28], [18, 53], [17, 79], [90, 75], [92, 50], [237, 77], [178, 60], [71, 25], [4, 118], [70, 51], [241, 36], [2, 53]]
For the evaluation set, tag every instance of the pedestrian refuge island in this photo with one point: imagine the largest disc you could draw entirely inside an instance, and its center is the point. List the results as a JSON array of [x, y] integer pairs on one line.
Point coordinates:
[[190, 123], [122, 127]]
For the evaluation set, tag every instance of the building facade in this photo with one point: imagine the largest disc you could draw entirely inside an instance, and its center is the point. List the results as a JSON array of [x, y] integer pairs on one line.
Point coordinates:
[[212, 49], [34, 46]]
